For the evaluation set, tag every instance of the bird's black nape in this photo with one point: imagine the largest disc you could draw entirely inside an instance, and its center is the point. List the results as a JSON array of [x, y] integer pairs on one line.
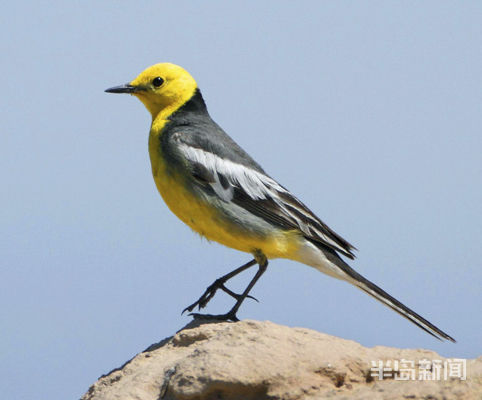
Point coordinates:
[[195, 104]]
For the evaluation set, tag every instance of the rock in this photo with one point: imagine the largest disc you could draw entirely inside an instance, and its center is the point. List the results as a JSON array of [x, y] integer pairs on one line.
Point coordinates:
[[261, 360]]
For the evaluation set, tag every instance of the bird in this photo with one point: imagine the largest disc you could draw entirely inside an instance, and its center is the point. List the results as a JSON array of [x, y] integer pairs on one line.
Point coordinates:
[[215, 187]]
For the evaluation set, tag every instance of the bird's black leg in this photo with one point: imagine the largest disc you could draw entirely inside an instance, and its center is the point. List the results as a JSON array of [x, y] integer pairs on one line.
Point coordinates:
[[219, 284], [231, 314]]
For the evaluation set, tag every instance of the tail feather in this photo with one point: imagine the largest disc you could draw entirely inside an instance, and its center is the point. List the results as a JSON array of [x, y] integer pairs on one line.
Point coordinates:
[[378, 293], [382, 296]]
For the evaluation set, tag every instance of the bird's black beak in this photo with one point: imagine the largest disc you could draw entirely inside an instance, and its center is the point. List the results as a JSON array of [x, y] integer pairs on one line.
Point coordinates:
[[127, 88]]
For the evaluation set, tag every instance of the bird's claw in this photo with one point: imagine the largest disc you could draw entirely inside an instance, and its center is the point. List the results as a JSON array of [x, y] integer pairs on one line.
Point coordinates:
[[209, 294], [230, 316], [236, 295], [204, 299]]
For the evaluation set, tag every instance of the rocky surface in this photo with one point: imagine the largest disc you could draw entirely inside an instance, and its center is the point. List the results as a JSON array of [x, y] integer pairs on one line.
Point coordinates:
[[261, 360]]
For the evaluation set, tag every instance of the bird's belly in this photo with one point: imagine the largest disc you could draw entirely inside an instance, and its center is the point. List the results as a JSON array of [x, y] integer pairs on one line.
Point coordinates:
[[213, 224]]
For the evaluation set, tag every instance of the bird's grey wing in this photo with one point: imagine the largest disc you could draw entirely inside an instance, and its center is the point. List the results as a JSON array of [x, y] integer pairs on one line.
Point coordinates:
[[253, 190]]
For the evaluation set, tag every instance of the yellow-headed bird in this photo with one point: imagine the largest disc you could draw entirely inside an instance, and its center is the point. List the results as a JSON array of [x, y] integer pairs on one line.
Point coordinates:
[[217, 189]]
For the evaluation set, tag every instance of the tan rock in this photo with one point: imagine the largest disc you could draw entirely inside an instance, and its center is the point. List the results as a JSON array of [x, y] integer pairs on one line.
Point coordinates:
[[261, 360]]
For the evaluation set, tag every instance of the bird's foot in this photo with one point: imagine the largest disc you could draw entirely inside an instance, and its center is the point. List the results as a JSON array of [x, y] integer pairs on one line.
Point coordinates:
[[209, 294], [229, 316], [236, 295]]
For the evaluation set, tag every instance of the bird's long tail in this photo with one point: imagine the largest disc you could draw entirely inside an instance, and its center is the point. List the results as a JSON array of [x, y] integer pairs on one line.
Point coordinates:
[[345, 272]]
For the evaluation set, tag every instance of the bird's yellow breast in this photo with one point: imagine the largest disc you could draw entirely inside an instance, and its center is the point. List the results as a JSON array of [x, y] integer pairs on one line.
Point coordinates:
[[204, 219]]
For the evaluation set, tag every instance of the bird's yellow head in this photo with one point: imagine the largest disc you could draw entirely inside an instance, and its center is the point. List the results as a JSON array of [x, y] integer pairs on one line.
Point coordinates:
[[162, 88]]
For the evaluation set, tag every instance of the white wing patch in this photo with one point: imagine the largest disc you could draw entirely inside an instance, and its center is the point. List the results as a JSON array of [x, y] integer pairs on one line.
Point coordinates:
[[259, 186]]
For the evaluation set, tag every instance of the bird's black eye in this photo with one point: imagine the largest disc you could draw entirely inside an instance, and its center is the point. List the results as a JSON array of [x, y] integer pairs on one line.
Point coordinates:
[[157, 81]]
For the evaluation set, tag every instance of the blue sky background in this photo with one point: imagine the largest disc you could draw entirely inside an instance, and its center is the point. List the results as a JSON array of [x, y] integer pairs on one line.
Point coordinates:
[[369, 111]]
